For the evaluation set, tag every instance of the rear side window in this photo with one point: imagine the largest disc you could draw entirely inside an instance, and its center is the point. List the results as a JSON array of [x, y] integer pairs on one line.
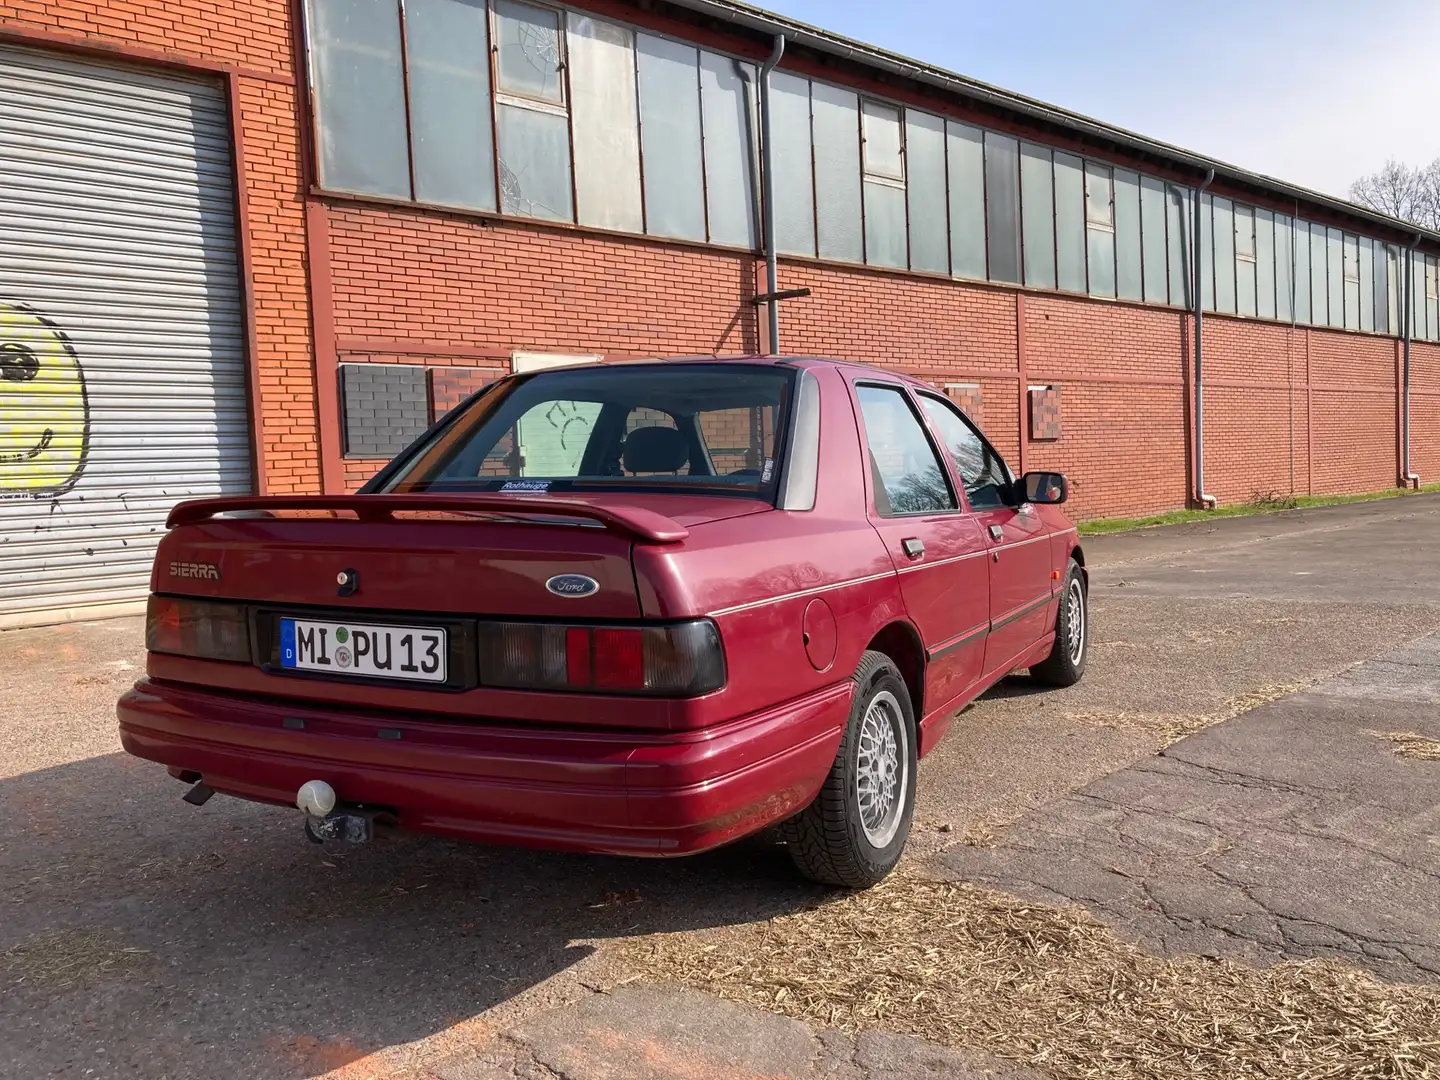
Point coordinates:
[[981, 470], [906, 472], [680, 427]]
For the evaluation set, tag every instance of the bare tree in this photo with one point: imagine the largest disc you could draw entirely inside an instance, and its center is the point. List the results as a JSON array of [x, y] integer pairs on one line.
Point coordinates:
[[1403, 191]]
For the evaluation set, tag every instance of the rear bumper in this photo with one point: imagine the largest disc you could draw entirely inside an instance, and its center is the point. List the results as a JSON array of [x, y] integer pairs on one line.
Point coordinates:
[[579, 790]]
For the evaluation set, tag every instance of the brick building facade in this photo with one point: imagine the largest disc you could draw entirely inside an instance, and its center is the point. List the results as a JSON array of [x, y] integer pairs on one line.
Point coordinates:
[[333, 279]]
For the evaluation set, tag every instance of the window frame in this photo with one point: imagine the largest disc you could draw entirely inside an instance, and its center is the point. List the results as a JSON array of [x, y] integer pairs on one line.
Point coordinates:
[[961, 504], [562, 68], [986, 444], [866, 172]]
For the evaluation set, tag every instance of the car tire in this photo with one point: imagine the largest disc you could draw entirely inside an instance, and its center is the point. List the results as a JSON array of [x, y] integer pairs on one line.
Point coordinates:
[[854, 832], [1066, 662]]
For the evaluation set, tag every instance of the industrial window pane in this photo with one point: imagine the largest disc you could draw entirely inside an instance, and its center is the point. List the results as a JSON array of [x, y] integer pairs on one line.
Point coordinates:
[[1265, 264], [1350, 254], [884, 224], [1335, 253], [1002, 206], [607, 138], [1367, 283], [670, 137], [1245, 261], [1319, 282], [1152, 229], [1392, 261], [1284, 269], [1432, 307], [1127, 235], [359, 96], [1417, 292], [1178, 225], [729, 96], [1207, 252], [925, 186], [529, 54], [1380, 282], [1301, 250], [880, 133], [1037, 205], [794, 183], [965, 147], [838, 218], [1224, 211], [448, 48], [1069, 222], [534, 163], [1100, 229]]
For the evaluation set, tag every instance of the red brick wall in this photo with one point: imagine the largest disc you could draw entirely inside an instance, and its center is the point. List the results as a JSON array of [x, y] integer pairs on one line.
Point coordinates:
[[1425, 411]]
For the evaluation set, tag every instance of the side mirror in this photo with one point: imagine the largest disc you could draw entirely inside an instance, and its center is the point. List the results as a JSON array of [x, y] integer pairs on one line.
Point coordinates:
[[1044, 487]]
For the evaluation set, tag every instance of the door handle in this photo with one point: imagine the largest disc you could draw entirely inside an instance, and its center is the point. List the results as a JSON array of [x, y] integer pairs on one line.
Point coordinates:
[[997, 533], [913, 546]]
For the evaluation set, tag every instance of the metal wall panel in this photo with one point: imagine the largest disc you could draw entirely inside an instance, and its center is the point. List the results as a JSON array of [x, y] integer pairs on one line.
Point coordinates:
[[121, 330]]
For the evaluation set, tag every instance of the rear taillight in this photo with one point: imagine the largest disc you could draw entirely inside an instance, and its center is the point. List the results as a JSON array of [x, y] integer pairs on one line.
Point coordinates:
[[679, 660], [198, 628]]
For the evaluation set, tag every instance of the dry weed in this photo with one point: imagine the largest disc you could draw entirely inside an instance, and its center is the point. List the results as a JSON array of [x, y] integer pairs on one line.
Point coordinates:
[[65, 959], [1410, 744]]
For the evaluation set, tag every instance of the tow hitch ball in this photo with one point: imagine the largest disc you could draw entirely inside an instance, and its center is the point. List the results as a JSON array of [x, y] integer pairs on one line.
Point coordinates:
[[327, 819]]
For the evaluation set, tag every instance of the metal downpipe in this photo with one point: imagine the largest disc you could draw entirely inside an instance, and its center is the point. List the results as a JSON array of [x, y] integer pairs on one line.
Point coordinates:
[[1407, 477], [767, 173], [1207, 501]]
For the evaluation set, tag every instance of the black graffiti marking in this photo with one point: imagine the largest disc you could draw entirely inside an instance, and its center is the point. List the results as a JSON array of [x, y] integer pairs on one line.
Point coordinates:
[[18, 363], [34, 452]]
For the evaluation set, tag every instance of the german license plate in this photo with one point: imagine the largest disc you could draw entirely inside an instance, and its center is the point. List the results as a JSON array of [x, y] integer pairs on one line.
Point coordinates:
[[369, 650]]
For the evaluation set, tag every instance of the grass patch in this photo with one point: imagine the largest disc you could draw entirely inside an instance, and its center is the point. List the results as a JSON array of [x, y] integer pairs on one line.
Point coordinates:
[[1410, 744], [1258, 504], [66, 959], [1055, 989]]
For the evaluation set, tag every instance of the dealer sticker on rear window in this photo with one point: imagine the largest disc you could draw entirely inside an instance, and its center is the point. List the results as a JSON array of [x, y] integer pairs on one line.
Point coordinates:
[[533, 486]]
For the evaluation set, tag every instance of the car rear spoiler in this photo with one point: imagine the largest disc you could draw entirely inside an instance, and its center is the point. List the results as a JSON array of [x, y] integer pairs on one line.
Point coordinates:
[[632, 521]]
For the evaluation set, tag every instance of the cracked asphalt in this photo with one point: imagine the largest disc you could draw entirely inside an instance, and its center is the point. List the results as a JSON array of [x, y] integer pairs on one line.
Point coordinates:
[[141, 937]]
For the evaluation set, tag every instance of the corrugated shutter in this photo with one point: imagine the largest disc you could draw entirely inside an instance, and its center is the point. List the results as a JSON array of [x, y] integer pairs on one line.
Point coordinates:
[[122, 366]]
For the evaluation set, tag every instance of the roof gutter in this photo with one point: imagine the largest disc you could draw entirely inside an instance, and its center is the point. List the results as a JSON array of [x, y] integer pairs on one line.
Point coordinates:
[[1206, 501], [767, 173], [811, 37]]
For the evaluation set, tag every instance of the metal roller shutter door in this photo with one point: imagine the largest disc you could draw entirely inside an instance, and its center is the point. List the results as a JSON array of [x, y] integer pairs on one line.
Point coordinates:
[[122, 364]]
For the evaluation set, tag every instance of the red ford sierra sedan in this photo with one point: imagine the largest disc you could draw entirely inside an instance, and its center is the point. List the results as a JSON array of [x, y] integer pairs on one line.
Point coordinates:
[[642, 608]]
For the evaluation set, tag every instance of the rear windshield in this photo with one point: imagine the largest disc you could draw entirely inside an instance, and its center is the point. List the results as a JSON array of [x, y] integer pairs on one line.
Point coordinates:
[[683, 428]]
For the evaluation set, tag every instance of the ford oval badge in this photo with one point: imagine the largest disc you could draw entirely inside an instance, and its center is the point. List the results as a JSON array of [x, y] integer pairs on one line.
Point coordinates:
[[572, 585]]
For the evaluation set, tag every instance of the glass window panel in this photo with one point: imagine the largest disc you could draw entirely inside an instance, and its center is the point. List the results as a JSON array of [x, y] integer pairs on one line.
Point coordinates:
[[670, 137], [1207, 252], [607, 135], [529, 51], [1319, 282], [1002, 206], [1127, 235], [1224, 211], [794, 182], [359, 96], [1069, 222], [1099, 201], [1335, 253], [448, 46], [1432, 307], [1284, 269], [1417, 293], [1367, 283], [907, 474], [1265, 264], [1392, 262], [1100, 247], [1380, 283], [966, 158], [729, 97], [1152, 228], [534, 163], [838, 217], [884, 224], [1179, 222], [1301, 252], [884, 151], [1245, 261], [1037, 205], [925, 186], [1351, 257]]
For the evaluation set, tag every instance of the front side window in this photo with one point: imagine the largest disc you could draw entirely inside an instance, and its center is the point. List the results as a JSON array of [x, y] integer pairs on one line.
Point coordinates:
[[982, 471], [905, 471], [681, 428]]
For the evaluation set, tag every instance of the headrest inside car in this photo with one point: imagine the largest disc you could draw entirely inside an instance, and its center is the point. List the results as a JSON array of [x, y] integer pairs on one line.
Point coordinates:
[[655, 450]]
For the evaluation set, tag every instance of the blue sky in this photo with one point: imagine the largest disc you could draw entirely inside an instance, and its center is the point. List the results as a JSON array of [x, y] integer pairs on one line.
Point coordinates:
[[1315, 92]]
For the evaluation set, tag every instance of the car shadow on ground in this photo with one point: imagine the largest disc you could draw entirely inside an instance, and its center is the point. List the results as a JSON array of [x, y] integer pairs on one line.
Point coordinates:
[[218, 941]]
